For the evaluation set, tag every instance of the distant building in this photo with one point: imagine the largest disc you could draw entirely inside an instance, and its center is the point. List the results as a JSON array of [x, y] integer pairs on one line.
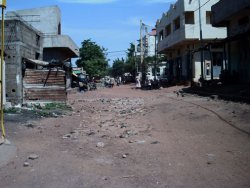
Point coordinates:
[[149, 42], [235, 15], [32, 37], [178, 34]]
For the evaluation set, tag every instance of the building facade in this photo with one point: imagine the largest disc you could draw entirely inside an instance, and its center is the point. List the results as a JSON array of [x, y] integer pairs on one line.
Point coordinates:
[[33, 35], [179, 33], [235, 15], [47, 20]]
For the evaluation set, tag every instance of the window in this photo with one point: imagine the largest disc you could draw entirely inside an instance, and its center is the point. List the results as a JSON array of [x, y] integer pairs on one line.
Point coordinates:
[[168, 30], [208, 69], [161, 35], [208, 17], [37, 55], [243, 21], [59, 29], [37, 40], [189, 17], [177, 23]]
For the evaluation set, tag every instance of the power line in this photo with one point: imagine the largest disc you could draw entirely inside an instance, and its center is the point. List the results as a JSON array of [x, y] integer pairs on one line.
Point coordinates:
[[116, 51]]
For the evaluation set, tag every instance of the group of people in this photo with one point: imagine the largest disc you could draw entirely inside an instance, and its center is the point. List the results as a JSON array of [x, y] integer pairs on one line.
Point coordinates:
[[110, 81]]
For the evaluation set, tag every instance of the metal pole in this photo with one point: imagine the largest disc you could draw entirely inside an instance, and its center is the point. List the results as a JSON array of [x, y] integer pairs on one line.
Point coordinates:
[[201, 42], [155, 58], [141, 44], [136, 63], [2, 62]]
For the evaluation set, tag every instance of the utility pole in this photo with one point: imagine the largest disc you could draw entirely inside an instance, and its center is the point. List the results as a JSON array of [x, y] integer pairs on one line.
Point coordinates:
[[201, 42], [3, 6], [141, 46], [155, 56], [135, 59]]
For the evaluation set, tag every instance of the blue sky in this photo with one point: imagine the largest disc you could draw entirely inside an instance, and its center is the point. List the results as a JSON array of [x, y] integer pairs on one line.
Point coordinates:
[[113, 24]]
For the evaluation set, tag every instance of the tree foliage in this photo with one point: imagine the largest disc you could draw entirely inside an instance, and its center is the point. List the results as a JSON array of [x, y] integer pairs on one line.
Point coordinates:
[[118, 67], [121, 66], [130, 62], [93, 58]]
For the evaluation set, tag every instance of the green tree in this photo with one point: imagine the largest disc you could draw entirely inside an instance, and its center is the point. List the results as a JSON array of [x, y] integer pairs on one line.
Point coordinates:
[[130, 61], [93, 59], [118, 67]]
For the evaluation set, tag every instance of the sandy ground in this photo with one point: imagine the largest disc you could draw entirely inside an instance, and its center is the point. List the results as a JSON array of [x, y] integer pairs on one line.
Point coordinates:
[[128, 138]]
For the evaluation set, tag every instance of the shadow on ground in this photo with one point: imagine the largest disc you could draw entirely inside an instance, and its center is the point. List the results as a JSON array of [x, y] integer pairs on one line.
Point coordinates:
[[236, 93]]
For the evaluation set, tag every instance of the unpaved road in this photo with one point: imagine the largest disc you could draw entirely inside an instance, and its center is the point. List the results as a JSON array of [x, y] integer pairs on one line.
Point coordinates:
[[128, 138]]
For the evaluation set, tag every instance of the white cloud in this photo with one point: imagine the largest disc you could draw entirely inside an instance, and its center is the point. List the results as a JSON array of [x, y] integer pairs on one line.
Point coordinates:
[[88, 1]]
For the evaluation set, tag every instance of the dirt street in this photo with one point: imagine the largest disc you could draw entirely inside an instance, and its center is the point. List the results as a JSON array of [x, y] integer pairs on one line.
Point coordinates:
[[128, 138]]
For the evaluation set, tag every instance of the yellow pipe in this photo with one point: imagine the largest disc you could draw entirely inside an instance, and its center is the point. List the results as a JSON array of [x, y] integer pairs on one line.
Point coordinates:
[[2, 61]]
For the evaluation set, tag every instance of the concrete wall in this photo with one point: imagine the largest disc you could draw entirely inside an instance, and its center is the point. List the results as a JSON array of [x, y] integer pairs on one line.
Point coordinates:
[[240, 59], [20, 42], [61, 41], [45, 19], [224, 10], [3, 82], [48, 21]]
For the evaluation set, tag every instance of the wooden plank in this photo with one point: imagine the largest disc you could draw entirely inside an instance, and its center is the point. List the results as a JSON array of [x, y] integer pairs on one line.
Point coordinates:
[[54, 90]]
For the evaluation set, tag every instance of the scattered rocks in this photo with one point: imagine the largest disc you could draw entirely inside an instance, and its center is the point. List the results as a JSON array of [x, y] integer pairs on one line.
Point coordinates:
[[26, 164], [30, 157], [124, 156], [210, 158], [90, 133], [29, 124], [105, 178], [100, 145], [155, 142], [33, 156], [140, 141], [66, 136], [123, 126], [127, 133]]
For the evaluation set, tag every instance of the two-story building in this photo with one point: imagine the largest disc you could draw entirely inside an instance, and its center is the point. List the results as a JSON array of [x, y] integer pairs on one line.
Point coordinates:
[[33, 39], [184, 34], [235, 15]]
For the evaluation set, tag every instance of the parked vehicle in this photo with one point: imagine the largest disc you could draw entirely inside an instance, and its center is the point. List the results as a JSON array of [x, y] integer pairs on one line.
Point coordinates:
[[92, 86], [109, 81], [83, 82]]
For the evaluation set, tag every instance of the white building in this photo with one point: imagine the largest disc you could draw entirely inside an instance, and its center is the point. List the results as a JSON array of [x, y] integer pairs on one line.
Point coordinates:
[[178, 34], [149, 42]]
